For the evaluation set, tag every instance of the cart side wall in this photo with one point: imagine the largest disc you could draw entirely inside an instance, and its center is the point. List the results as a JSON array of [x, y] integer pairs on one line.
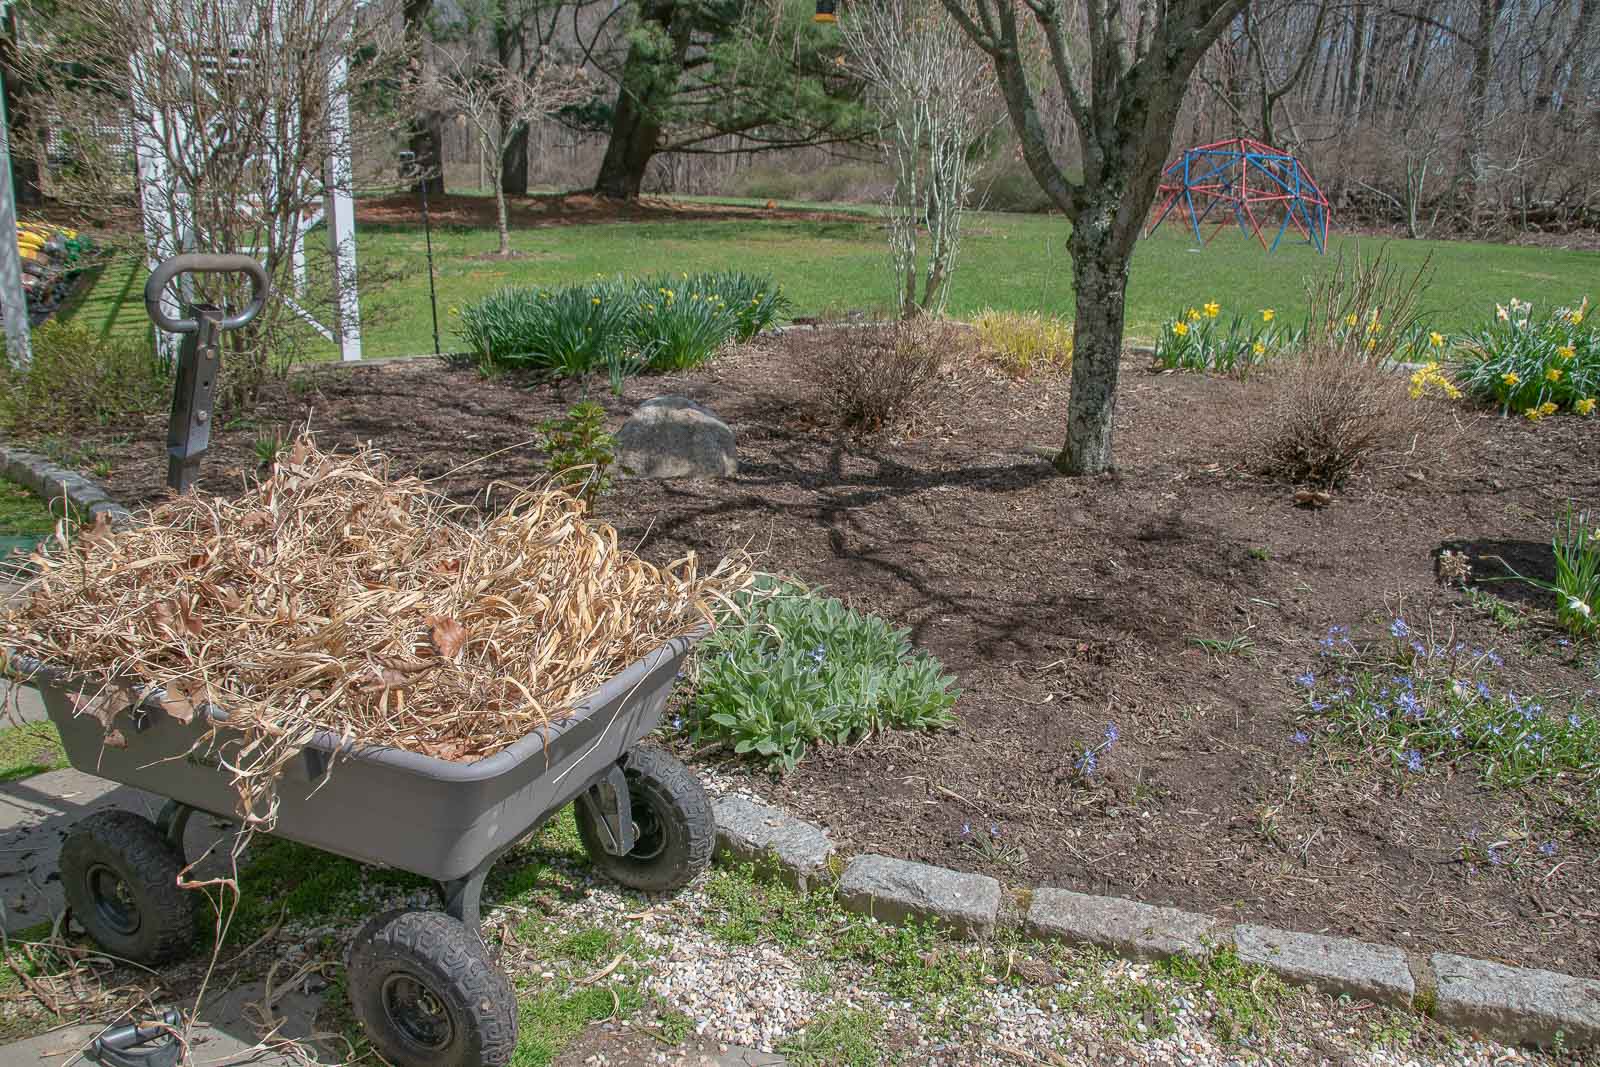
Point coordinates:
[[432, 817]]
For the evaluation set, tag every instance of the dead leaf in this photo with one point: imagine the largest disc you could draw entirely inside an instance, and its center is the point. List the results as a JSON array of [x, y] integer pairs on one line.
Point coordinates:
[[98, 531], [449, 635], [1313, 497], [256, 520], [229, 597], [114, 739], [179, 704]]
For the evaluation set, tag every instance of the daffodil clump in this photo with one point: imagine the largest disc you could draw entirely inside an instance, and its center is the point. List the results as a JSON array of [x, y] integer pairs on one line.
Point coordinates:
[[1197, 340], [1533, 365], [619, 326], [1575, 547]]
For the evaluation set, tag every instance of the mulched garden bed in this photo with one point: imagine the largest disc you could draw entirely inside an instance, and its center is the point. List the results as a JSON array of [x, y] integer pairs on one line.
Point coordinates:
[[1065, 605]]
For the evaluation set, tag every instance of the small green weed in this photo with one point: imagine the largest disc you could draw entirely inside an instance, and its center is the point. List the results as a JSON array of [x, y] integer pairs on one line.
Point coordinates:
[[1502, 613], [1533, 365], [793, 668], [579, 444], [847, 1037], [1243, 998], [1217, 647], [29, 749], [1260, 554], [673, 1026], [1418, 704]]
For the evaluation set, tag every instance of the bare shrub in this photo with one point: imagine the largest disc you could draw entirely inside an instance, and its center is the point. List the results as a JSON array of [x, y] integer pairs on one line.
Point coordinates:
[[879, 377], [1330, 411]]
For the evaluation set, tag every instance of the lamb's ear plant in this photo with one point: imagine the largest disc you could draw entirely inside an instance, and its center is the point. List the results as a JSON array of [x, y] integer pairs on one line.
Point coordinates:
[[1576, 550], [787, 668]]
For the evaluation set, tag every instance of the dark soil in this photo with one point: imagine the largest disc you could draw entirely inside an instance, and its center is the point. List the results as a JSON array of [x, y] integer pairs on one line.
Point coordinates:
[[1067, 604]]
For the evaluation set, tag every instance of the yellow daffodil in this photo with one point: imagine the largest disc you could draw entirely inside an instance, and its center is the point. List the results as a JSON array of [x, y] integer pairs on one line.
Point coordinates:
[[1259, 349], [1566, 351], [1584, 406], [1351, 319], [1436, 339], [1553, 374], [595, 301], [1193, 315], [1180, 328], [1212, 309], [1374, 326], [1547, 408], [1532, 415], [1267, 314], [1510, 377]]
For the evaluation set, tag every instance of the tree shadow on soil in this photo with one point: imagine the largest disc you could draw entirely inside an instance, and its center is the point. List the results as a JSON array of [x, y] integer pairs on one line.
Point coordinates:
[[1496, 565]]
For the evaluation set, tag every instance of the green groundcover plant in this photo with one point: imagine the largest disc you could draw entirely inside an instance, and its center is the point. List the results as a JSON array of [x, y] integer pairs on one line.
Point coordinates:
[[790, 668], [1534, 364]]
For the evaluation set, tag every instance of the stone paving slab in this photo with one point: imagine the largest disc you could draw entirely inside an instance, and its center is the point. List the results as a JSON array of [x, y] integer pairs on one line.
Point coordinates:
[[896, 890], [35, 815], [1126, 927], [797, 852], [1335, 965], [1517, 1003], [226, 1035]]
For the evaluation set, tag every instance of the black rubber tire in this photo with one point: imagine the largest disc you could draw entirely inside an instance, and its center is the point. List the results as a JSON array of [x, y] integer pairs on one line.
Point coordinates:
[[429, 996], [120, 877], [672, 814]]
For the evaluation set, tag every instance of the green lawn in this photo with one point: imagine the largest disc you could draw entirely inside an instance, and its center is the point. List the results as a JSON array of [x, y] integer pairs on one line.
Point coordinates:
[[22, 513], [1008, 261]]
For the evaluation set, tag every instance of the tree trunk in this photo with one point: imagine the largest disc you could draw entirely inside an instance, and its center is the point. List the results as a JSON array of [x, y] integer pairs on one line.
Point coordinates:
[[650, 76], [500, 214], [1100, 286], [427, 127], [514, 164]]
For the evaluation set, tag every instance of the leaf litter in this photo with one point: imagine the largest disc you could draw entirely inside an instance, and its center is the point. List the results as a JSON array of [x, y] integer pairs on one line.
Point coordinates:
[[333, 596]]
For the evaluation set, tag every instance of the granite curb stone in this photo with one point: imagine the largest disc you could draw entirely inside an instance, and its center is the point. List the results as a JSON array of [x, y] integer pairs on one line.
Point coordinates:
[[1336, 965], [1126, 927], [796, 851], [896, 890], [50, 481], [1516, 1003]]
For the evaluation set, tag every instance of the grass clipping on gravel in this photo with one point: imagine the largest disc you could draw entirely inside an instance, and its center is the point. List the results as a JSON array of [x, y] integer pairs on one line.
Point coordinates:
[[332, 597]]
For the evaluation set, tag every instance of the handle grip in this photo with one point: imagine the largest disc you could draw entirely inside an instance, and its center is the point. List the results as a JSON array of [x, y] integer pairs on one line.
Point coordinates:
[[205, 263]]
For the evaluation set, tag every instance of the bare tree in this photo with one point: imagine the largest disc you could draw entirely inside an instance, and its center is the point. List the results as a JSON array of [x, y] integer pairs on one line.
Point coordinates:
[[498, 102], [238, 113], [1123, 77], [934, 95]]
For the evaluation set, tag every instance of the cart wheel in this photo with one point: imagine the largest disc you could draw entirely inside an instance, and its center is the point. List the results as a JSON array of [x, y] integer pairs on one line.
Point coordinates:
[[672, 817], [423, 986], [121, 881]]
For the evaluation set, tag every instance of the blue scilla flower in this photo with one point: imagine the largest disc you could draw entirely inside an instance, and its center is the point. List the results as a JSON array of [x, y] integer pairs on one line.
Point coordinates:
[[1495, 660], [1318, 707], [1455, 732], [1087, 762], [1547, 849], [1306, 680], [1573, 721], [994, 829], [1398, 629], [1484, 692], [1300, 737], [1413, 761], [966, 829], [1410, 705], [1495, 857], [1112, 734]]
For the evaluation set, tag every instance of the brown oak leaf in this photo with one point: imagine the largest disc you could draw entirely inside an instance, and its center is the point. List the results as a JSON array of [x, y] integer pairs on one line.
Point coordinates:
[[449, 635], [114, 739]]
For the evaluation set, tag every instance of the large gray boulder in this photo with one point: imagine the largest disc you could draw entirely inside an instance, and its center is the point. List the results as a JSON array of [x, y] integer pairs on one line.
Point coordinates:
[[673, 437]]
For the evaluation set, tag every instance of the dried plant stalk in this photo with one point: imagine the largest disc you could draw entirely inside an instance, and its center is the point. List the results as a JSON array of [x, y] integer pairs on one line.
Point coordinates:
[[333, 597]]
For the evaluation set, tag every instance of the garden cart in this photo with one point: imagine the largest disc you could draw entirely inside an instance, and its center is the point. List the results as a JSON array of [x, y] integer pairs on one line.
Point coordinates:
[[422, 982]]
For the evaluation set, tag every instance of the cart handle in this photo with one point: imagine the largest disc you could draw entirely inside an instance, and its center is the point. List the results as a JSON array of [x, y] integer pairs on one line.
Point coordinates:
[[205, 263]]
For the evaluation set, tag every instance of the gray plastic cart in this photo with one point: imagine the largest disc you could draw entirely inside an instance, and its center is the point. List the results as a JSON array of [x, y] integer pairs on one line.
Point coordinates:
[[422, 982]]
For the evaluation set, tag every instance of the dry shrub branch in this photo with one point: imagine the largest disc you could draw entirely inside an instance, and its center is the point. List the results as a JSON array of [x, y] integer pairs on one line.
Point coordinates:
[[333, 597], [880, 377]]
